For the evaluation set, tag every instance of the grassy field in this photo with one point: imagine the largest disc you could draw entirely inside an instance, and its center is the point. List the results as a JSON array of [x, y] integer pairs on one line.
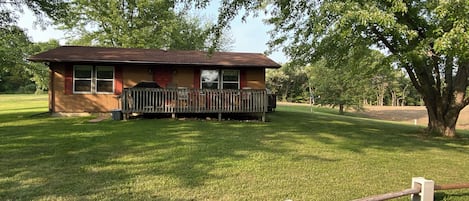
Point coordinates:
[[297, 155]]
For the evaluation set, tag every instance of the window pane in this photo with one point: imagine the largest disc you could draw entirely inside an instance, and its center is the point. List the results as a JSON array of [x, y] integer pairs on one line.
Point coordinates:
[[230, 86], [209, 85], [104, 86], [83, 71], [83, 85], [105, 72], [209, 75], [230, 75]]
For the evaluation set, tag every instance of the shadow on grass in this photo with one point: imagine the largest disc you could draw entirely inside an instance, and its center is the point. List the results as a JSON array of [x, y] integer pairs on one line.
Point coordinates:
[[442, 196], [67, 157], [356, 134]]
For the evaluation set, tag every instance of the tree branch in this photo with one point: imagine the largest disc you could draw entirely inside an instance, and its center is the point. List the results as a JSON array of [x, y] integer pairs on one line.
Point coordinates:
[[436, 69], [448, 79], [413, 77], [384, 40]]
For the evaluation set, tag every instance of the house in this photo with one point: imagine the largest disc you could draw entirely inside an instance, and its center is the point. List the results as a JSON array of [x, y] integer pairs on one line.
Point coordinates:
[[102, 79]]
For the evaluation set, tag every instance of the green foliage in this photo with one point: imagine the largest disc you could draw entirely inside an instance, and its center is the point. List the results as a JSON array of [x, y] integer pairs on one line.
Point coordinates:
[[363, 77], [453, 34], [40, 72], [346, 80], [13, 44], [13, 50], [298, 155], [53, 9], [289, 82], [16, 74], [131, 23]]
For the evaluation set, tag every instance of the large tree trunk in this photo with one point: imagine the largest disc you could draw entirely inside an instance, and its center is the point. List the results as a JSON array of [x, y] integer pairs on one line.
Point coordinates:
[[442, 121], [445, 101], [441, 78]]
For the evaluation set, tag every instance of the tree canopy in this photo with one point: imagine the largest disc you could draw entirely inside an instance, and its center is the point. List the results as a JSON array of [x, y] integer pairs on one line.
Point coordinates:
[[134, 23]]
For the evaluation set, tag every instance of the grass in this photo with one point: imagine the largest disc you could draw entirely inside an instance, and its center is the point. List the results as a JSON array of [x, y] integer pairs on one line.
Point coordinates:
[[297, 155]]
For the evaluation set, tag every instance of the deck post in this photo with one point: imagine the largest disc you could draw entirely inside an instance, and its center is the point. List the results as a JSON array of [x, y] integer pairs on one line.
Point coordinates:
[[263, 116], [173, 115], [219, 116], [427, 188]]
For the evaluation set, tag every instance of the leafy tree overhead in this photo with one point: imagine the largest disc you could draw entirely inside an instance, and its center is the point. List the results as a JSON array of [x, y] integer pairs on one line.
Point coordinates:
[[134, 23], [429, 39], [54, 9]]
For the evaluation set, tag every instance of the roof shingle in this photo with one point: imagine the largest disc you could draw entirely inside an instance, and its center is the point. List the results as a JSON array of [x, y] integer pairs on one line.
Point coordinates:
[[153, 56]]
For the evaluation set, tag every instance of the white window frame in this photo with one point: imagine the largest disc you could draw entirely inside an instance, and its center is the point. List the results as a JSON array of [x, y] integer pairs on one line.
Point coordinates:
[[229, 82], [202, 81], [94, 79], [90, 80], [103, 79], [220, 77]]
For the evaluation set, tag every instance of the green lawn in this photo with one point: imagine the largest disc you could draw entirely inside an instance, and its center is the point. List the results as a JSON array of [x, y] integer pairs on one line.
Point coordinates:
[[297, 155]]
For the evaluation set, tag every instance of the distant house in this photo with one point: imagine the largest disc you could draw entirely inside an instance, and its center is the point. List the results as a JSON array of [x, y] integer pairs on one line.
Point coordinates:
[[98, 79]]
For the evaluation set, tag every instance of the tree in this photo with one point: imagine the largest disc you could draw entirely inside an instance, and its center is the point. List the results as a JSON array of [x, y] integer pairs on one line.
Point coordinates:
[[13, 51], [39, 72], [275, 80], [429, 39], [16, 74], [134, 23], [345, 82], [399, 88], [289, 82]]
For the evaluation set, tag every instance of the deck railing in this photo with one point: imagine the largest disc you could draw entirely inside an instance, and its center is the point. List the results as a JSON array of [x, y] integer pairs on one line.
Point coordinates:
[[172, 101]]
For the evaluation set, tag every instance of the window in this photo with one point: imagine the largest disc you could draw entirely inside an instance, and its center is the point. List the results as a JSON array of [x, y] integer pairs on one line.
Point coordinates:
[[104, 79], [219, 79], [209, 79], [82, 79], [93, 79], [230, 79]]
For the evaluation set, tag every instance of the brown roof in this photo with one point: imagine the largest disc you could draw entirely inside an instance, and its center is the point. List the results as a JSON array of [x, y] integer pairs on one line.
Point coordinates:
[[153, 56]]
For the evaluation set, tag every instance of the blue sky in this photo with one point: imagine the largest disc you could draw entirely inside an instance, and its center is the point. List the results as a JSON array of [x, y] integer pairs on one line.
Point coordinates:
[[249, 36]]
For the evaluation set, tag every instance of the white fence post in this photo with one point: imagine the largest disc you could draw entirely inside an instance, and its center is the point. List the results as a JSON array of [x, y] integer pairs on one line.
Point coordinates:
[[427, 189]]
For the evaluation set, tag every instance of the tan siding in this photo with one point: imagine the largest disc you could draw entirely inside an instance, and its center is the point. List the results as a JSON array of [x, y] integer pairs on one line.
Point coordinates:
[[78, 102], [255, 78], [86, 103], [134, 75], [184, 77]]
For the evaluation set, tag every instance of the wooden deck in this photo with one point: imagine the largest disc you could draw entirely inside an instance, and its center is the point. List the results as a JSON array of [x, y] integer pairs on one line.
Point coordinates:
[[174, 101]]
